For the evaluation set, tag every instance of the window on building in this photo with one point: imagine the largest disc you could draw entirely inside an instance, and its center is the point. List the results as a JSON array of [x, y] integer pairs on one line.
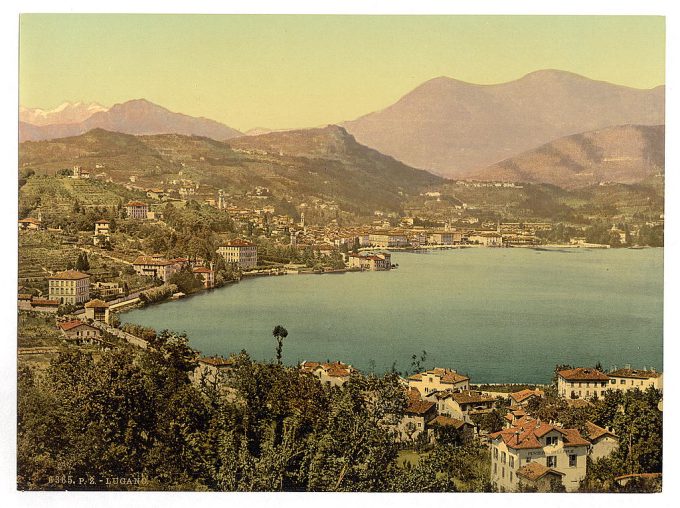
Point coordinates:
[[502, 457], [587, 393], [551, 440], [495, 468], [510, 475], [511, 461], [502, 472], [613, 381], [495, 453], [623, 381], [552, 461], [572, 460]]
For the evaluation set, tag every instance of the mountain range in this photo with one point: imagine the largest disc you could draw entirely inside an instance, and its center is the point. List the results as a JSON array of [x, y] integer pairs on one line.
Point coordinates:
[[511, 130], [624, 154], [319, 164], [137, 116], [453, 128], [67, 112]]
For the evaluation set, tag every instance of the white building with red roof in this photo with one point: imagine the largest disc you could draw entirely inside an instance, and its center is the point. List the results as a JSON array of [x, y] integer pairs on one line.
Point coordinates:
[[554, 450], [206, 275], [239, 252], [136, 210], [69, 287], [156, 266], [80, 333], [329, 374], [630, 379], [437, 380], [582, 383]]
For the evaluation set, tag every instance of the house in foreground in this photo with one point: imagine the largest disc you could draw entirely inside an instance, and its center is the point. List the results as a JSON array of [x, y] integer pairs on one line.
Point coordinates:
[[629, 379], [603, 441], [80, 334], [69, 287], [532, 450]]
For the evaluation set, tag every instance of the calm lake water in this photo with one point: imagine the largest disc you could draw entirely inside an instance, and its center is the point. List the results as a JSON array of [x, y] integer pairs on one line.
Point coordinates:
[[498, 315]]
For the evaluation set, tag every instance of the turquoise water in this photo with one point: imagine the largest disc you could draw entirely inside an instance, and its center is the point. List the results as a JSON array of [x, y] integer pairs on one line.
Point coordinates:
[[498, 315]]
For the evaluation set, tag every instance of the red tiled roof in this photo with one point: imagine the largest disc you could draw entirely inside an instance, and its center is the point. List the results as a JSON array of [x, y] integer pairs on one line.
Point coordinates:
[[24, 296], [527, 431], [446, 375], [595, 432], [96, 304], [136, 203], [29, 220], [68, 275], [583, 374], [202, 269], [634, 373], [103, 221], [470, 397], [44, 301], [70, 325], [419, 407], [522, 395], [534, 471]]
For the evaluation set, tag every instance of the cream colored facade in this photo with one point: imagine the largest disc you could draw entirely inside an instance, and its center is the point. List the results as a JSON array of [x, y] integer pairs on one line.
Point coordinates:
[[630, 379], [437, 380], [553, 451], [239, 252], [69, 287], [582, 383]]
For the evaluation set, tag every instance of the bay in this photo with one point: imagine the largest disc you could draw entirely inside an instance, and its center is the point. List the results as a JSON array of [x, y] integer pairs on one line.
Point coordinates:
[[497, 315]]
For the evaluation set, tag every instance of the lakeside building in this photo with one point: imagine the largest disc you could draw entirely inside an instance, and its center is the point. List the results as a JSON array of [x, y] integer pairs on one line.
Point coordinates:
[[372, 262], [156, 266], [78, 333], [206, 275], [487, 239], [329, 374], [438, 380], [105, 289], [388, 240], [97, 310], [445, 238], [532, 453], [415, 419], [69, 287], [629, 379], [102, 232], [136, 210], [582, 383], [239, 252]]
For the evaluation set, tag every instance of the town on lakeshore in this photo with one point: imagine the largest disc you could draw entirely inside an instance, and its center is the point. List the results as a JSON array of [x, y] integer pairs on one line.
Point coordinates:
[[203, 279]]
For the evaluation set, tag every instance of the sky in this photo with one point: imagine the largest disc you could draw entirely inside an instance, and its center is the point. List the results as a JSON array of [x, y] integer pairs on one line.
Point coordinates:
[[290, 71]]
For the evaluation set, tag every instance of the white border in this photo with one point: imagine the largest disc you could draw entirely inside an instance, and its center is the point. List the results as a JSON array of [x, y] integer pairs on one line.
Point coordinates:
[[9, 25]]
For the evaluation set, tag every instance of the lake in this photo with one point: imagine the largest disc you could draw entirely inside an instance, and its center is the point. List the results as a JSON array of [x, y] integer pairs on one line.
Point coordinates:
[[497, 315]]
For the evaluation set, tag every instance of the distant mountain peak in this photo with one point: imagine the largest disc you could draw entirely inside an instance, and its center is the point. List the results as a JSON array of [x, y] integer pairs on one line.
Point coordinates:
[[452, 127]]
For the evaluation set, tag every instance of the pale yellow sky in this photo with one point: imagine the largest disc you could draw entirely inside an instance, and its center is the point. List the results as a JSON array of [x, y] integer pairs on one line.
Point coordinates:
[[306, 70]]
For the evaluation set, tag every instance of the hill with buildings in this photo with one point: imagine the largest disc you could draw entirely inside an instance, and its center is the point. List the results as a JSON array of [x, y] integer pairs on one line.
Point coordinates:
[[327, 167]]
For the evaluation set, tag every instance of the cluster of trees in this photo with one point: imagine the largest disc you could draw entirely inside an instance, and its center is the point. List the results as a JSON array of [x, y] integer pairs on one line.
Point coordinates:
[[158, 293], [135, 414], [186, 281]]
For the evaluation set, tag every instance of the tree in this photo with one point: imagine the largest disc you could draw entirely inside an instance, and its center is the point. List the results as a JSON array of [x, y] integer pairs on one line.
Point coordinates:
[[279, 333]]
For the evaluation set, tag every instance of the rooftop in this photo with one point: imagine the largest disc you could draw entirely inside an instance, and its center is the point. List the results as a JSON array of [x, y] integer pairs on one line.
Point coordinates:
[[523, 395], [534, 471], [527, 432], [238, 243], [419, 407], [96, 304], [70, 325], [446, 376], [69, 275], [583, 374], [635, 374]]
